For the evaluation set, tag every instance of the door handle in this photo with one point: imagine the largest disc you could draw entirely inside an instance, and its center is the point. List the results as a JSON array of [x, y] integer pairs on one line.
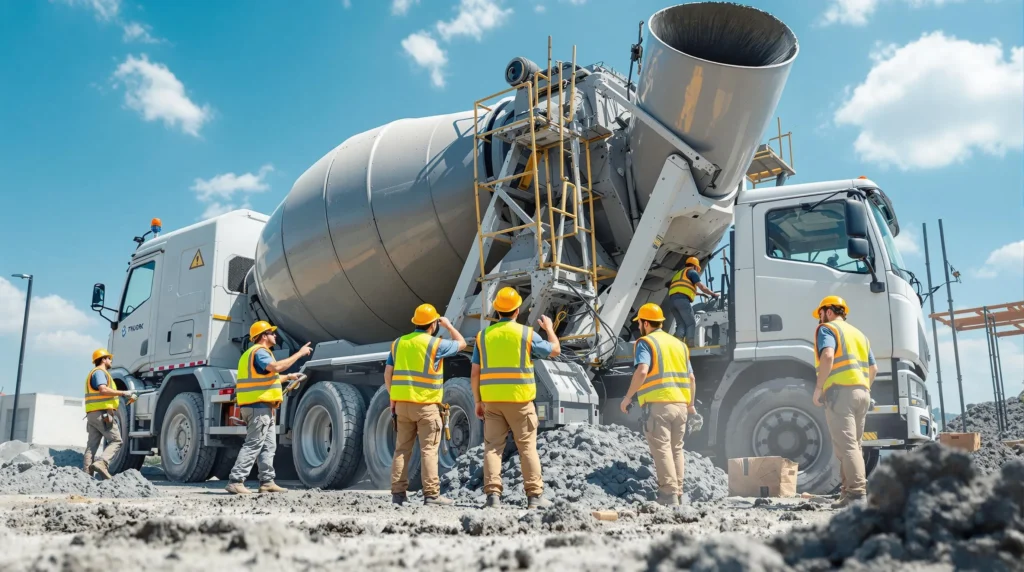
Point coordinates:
[[168, 337]]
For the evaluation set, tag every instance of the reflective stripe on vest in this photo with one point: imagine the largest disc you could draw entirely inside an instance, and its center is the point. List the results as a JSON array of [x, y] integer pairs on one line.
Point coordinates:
[[96, 401], [252, 387], [668, 380], [506, 370], [682, 285], [850, 363], [415, 380]]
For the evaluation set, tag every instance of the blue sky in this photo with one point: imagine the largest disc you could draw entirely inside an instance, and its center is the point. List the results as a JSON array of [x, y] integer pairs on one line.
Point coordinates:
[[113, 112]]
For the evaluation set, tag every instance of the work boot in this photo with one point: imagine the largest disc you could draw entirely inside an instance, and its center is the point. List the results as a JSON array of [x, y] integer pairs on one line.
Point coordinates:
[[271, 487], [438, 501], [846, 500], [89, 470], [398, 498], [668, 500], [101, 467], [493, 501], [237, 489], [537, 502]]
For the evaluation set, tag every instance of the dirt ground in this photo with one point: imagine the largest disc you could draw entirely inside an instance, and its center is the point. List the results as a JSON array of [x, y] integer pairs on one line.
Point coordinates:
[[201, 526]]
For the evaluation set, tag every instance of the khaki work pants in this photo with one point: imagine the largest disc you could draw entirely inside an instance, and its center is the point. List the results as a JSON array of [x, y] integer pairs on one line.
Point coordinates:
[[421, 420], [98, 430], [845, 416], [521, 419], [665, 429]]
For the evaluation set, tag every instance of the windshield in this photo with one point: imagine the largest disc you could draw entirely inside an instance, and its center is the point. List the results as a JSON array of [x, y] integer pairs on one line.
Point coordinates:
[[895, 258]]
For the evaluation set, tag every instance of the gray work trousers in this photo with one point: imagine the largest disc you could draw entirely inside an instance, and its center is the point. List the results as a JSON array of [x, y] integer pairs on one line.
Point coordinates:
[[260, 445], [99, 431], [686, 322]]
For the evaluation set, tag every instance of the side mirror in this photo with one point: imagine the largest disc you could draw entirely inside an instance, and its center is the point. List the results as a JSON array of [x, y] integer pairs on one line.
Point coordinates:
[[856, 219], [857, 248], [99, 294]]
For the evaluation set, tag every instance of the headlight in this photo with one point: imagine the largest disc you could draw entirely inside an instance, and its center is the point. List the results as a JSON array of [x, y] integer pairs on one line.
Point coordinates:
[[918, 393]]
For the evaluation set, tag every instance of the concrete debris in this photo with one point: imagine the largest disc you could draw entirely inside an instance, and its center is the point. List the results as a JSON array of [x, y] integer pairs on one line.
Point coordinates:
[[31, 472], [592, 466], [993, 454]]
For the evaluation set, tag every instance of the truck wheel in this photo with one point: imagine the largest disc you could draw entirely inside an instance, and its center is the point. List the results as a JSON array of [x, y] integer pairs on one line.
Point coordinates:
[[777, 418], [871, 457], [467, 431], [328, 443], [123, 460], [225, 461], [182, 454], [379, 444]]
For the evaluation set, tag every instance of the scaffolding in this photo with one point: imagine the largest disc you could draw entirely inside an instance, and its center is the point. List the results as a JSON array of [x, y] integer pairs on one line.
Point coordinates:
[[771, 164]]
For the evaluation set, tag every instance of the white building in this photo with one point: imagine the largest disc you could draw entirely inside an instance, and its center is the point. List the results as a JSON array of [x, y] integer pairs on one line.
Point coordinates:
[[44, 419]]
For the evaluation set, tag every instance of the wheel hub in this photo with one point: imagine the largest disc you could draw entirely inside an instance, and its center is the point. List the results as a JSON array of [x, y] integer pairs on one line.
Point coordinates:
[[317, 436], [179, 439], [790, 433]]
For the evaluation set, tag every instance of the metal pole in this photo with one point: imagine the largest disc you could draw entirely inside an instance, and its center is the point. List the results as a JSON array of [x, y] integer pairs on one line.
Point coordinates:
[[956, 348], [935, 334], [21, 357], [1002, 384], [992, 369]]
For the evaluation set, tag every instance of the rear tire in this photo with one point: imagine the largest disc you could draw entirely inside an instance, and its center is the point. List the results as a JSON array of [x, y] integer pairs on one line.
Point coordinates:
[[182, 454], [123, 460], [379, 444], [328, 435], [467, 431], [778, 418], [871, 458]]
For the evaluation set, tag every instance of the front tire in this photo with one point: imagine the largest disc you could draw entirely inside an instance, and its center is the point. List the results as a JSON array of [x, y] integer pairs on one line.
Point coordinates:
[[328, 443], [778, 418], [182, 454]]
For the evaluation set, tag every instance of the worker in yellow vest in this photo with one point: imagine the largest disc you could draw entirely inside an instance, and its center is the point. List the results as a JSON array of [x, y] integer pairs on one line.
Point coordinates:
[[504, 389], [101, 402], [682, 290], [414, 377], [846, 369], [664, 385], [258, 393]]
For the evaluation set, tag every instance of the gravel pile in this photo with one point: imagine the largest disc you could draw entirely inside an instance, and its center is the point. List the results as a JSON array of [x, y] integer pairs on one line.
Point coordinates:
[[982, 419], [593, 466], [927, 507], [26, 469]]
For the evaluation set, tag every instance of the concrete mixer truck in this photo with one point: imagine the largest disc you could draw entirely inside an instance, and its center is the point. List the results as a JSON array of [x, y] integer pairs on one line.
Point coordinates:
[[582, 190]]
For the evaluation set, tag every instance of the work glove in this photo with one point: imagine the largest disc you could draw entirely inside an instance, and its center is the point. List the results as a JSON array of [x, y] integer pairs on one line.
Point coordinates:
[[694, 422]]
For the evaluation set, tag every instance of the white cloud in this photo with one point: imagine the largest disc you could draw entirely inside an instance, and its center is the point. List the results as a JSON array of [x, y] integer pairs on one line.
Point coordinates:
[[908, 242], [1007, 259], [136, 32], [106, 10], [857, 12], [539, 8], [155, 92], [934, 101], [425, 51], [346, 4], [473, 19], [54, 323], [218, 191], [66, 341], [216, 209], [401, 7]]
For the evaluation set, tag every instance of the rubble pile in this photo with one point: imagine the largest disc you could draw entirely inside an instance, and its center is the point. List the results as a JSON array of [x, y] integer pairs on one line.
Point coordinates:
[[29, 469], [994, 453]]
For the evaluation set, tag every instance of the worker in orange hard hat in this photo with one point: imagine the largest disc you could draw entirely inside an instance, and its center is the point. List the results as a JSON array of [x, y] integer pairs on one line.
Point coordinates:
[[258, 393], [683, 288], [414, 378], [504, 389], [846, 369], [102, 399], [664, 385]]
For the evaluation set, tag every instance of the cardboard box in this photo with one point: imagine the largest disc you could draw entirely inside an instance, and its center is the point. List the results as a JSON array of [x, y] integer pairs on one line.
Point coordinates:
[[969, 442], [762, 477]]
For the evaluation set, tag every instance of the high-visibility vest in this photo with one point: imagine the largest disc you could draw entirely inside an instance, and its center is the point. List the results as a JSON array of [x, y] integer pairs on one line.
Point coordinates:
[[506, 370], [414, 379], [850, 363], [668, 380], [682, 285], [96, 401], [253, 387]]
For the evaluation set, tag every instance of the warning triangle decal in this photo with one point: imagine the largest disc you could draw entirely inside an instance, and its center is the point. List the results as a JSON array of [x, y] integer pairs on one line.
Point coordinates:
[[197, 261]]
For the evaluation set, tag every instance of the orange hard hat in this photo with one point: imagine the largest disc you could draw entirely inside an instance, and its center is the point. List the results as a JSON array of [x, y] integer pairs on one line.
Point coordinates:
[[101, 353], [425, 314], [692, 261], [507, 300], [260, 327], [650, 312], [831, 301]]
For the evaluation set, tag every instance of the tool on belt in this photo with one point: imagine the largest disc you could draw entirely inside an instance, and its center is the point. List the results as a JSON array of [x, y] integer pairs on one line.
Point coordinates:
[[295, 383], [645, 414], [108, 419], [446, 416]]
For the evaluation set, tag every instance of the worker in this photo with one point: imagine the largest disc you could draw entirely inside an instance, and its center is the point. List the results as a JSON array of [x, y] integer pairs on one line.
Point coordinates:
[[846, 369], [414, 378], [504, 389], [664, 385], [682, 289], [101, 402], [258, 394]]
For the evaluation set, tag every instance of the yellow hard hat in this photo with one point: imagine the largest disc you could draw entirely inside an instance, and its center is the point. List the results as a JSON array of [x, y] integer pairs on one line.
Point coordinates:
[[507, 300], [831, 301], [260, 327], [425, 314], [650, 312], [692, 261], [101, 353]]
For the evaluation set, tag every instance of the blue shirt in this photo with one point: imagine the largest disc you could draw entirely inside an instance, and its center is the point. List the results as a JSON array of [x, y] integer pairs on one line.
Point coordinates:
[[262, 359], [642, 355], [541, 348], [98, 379], [826, 339], [693, 275], [447, 348]]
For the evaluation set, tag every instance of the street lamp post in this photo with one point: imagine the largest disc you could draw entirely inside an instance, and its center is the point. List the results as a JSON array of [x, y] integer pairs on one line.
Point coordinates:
[[21, 357]]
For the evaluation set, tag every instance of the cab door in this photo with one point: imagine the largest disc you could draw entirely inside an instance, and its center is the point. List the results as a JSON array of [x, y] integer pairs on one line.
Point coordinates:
[[134, 335]]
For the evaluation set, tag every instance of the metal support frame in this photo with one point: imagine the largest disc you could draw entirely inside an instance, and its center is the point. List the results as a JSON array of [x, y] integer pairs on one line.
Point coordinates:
[[21, 355], [935, 334], [964, 420], [995, 369]]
